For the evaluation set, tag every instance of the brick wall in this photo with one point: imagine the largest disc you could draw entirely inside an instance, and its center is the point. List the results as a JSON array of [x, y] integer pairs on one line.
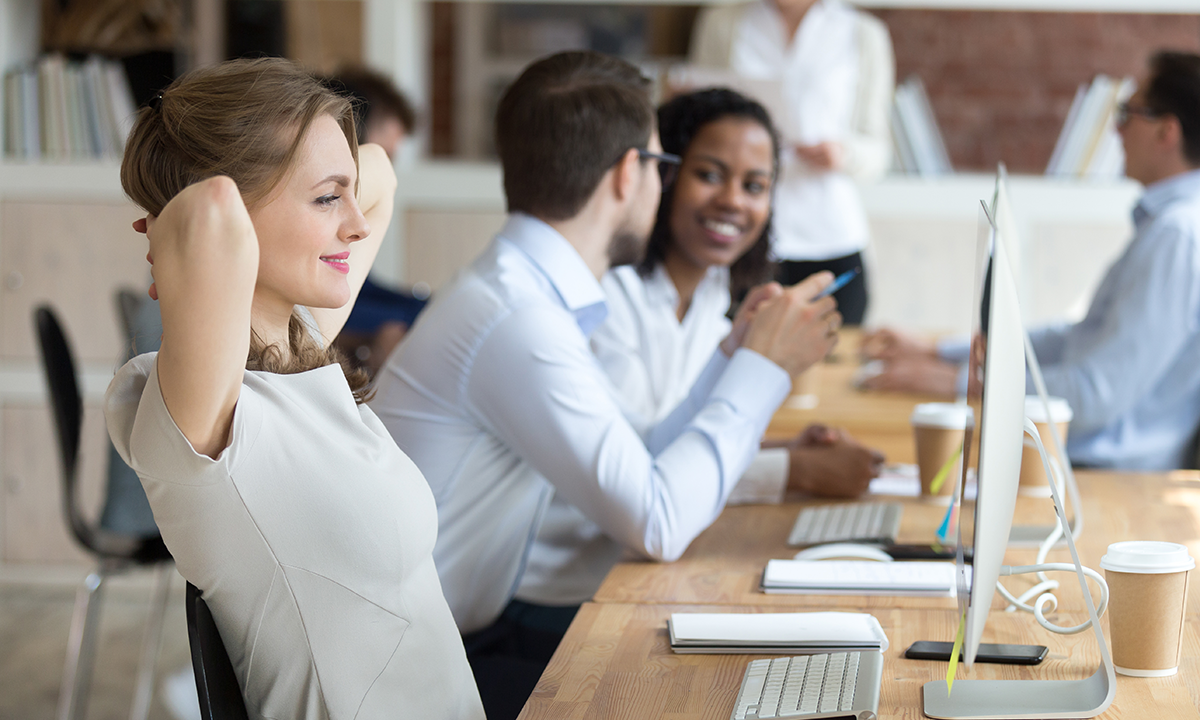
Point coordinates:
[[1001, 82]]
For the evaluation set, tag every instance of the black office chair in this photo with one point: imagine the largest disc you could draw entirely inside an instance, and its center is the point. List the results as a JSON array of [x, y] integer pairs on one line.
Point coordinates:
[[216, 684], [115, 552]]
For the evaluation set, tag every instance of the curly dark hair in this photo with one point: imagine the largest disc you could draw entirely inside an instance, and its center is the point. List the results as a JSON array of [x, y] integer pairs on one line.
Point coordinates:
[[679, 121]]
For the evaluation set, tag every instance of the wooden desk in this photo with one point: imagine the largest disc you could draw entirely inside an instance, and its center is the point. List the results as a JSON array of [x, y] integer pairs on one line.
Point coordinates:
[[616, 662], [724, 564]]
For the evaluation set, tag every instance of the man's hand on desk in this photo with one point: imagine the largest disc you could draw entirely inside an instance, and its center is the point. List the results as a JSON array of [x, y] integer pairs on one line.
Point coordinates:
[[827, 462], [928, 376], [889, 345]]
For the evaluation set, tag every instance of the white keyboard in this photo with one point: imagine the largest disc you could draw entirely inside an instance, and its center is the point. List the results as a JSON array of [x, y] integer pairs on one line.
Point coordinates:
[[868, 522], [830, 685]]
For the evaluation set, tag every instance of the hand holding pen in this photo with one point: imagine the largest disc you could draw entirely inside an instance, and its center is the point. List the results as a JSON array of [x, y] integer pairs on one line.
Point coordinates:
[[838, 283], [796, 327]]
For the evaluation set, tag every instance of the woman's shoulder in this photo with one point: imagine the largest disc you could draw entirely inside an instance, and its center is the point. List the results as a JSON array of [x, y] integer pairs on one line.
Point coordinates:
[[125, 391], [145, 434], [872, 31]]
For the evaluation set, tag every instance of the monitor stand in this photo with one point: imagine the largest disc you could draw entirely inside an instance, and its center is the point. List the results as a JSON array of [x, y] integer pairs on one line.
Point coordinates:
[[1032, 536], [982, 699]]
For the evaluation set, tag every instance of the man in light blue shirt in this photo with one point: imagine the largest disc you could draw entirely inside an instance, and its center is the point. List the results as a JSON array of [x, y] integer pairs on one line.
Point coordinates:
[[1131, 368], [496, 396]]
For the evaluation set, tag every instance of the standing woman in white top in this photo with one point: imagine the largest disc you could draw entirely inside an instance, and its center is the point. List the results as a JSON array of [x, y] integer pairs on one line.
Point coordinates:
[[711, 241], [280, 495], [837, 76]]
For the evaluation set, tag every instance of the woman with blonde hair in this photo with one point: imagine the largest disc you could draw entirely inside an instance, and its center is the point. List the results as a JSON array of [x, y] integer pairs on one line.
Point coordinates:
[[280, 495]]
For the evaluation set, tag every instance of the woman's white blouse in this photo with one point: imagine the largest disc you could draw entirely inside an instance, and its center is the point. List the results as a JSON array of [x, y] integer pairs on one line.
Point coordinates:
[[311, 537]]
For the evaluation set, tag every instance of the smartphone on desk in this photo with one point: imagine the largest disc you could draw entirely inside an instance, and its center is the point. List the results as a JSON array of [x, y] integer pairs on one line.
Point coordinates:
[[924, 552], [988, 653]]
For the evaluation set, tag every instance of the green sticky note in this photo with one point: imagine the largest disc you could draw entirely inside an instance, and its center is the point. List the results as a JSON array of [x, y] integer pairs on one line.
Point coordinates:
[[939, 479], [954, 653]]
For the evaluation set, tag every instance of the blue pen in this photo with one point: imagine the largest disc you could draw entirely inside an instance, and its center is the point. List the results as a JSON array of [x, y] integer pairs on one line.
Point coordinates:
[[838, 283]]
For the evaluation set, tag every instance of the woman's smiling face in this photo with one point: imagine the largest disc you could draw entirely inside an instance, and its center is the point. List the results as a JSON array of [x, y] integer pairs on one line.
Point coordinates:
[[722, 197]]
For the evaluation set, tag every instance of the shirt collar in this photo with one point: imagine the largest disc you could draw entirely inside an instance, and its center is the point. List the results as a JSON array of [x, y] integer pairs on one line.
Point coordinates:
[[660, 288], [1166, 192], [562, 265]]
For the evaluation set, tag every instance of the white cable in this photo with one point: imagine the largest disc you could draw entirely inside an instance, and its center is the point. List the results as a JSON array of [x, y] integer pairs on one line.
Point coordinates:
[[1039, 384], [1044, 584], [1050, 599], [1046, 597]]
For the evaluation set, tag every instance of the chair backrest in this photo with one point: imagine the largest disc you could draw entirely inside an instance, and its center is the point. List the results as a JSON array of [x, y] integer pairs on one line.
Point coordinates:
[[129, 301], [126, 510], [67, 404], [216, 683]]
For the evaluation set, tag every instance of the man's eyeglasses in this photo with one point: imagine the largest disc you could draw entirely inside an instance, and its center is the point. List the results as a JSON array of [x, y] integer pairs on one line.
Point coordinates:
[[668, 164], [1125, 111]]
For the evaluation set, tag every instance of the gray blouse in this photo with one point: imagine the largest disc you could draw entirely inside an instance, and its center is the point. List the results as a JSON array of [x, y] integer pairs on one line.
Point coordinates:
[[311, 537]]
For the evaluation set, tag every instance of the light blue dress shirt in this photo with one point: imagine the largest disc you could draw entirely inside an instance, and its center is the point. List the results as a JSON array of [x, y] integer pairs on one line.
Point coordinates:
[[498, 399], [1131, 368]]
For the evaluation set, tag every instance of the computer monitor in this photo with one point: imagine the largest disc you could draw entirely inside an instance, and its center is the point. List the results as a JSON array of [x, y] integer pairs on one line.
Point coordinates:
[[998, 359], [1001, 211]]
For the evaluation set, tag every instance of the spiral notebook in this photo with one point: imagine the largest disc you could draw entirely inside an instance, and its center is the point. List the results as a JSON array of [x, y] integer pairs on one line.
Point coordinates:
[[859, 577], [786, 633]]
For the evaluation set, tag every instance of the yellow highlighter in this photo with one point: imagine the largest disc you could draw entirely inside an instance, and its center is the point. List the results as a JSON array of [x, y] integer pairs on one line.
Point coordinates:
[[954, 653]]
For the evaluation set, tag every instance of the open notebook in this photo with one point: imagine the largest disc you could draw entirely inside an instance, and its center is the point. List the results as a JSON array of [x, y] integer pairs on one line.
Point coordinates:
[[787, 633], [859, 577]]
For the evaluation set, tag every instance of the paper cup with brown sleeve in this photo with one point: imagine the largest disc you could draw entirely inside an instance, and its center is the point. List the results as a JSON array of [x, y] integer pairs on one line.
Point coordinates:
[[938, 430], [1147, 594], [1033, 474]]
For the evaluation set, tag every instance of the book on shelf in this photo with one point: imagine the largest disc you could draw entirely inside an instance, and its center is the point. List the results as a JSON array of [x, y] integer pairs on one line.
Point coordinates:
[[916, 138], [64, 110], [14, 131], [1089, 146]]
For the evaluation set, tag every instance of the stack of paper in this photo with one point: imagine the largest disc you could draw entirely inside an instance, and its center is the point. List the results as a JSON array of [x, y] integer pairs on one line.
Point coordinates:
[[1089, 145], [859, 577], [784, 633], [916, 138], [902, 480]]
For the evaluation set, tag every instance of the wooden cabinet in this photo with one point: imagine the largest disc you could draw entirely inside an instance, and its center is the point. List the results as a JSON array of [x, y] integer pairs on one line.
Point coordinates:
[[74, 256], [66, 240], [445, 241], [32, 529]]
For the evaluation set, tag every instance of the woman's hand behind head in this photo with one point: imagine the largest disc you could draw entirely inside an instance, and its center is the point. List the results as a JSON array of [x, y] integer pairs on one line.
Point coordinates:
[[205, 264]]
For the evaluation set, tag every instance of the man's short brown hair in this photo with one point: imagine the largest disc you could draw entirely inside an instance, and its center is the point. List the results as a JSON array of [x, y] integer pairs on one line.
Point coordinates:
[[1174, 89], [563, 123], [373, 95]]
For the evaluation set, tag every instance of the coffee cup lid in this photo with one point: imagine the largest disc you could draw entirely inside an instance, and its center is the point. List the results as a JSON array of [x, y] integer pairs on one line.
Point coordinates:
[[1060, 409], [1147, 557], [952, 416]]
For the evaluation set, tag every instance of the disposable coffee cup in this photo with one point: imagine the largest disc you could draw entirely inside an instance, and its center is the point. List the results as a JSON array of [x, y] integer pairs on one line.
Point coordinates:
[[1033, 474], [1147, 593], [938, 430]]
